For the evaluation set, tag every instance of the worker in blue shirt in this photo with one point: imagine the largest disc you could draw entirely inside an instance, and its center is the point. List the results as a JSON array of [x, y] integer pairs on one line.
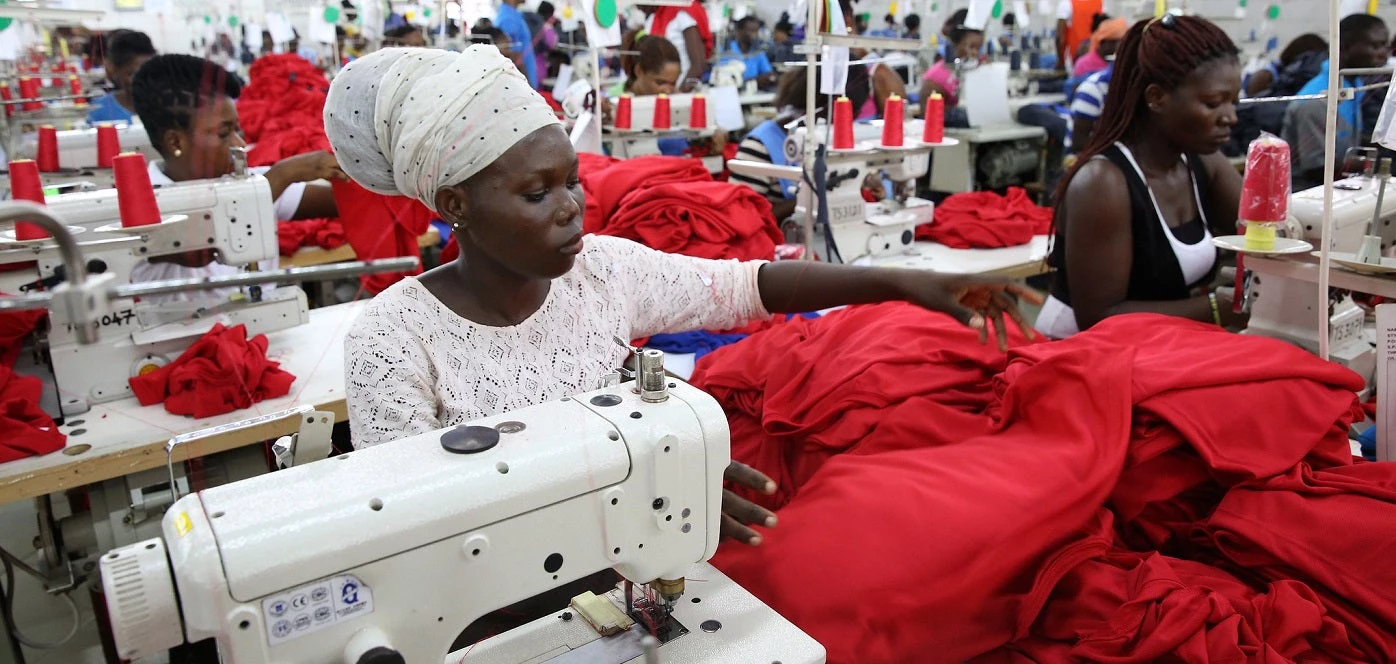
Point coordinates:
[[126, 51], [758, 66], [512, 23]]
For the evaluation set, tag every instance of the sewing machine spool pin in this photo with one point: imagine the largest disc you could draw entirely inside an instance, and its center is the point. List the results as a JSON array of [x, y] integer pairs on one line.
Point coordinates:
[[1370, 251]]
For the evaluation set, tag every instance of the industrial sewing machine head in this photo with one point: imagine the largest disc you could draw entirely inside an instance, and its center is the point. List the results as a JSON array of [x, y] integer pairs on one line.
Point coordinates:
[[231, 218], [387, 553], [1354, 201], [730, 74], [857, 227]]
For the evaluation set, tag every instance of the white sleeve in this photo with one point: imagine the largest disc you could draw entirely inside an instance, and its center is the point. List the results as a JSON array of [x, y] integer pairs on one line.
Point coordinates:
[[682, 21], [1064, 10], [389, 381], [289, 201], [672, 293]]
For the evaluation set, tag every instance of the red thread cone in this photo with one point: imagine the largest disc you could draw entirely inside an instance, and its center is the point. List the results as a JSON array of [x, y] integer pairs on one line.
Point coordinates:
[[134, 196], [623, 112], [27, 185], [934, 131], [893, 121], [843, 124], [698, 113], [108, 144], [47, 154], [661, 112]]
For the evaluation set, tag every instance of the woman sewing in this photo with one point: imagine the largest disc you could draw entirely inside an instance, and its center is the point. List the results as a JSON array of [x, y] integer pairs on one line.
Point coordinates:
[[1136, 215], [528, 311], [941, 78], [187, 105], [652, 67]]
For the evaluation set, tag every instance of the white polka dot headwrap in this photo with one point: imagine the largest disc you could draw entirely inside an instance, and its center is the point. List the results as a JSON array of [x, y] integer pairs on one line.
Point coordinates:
[[412, 120]]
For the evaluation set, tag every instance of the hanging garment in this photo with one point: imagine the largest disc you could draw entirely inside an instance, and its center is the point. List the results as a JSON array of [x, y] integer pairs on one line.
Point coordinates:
[[379, 226]]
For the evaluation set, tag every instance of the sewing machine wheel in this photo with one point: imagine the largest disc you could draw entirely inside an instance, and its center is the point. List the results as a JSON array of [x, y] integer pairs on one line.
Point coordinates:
[[794, 150], [147, 364]]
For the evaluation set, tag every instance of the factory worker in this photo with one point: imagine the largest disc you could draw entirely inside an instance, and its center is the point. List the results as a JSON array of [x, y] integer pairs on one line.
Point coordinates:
[[964, 44], [652, 67], [187, 106], [126, 51], [528, 312], [1104, 42], [1136, 215]]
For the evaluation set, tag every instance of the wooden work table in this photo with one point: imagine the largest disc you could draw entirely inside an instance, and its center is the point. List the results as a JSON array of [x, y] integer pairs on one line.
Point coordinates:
[[122, 437]]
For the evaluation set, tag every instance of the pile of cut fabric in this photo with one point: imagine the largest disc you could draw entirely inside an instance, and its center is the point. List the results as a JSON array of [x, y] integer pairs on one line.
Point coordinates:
[[1122, 496], [281, 108], [25, 429], [986, 220], [673, 204], [222, 372], [323, 233]]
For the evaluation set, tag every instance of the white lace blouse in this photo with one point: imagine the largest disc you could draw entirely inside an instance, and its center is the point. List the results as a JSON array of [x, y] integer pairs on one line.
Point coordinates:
[[414, 366]]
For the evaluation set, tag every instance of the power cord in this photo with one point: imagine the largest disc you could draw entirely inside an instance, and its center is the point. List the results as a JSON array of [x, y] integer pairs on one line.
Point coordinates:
[[7, 604]]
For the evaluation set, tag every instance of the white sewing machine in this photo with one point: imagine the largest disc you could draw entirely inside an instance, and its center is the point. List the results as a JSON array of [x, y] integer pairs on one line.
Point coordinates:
[[232, 216], [388, 553], [77, 156], [859, 228]]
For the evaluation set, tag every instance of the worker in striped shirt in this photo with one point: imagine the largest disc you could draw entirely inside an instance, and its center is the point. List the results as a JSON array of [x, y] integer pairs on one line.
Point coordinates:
[[1086, 104]]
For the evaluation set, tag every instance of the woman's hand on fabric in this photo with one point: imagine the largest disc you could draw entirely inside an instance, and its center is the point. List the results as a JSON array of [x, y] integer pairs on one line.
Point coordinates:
[[974, 301], [737, 512], [311, 166]]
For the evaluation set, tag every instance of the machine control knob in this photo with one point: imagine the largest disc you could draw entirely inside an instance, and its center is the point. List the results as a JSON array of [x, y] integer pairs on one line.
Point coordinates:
[[382, 655], [469, 439], [141, 603]]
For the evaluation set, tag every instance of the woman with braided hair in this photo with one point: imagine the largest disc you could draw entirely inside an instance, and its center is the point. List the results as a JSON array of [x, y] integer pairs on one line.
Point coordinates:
[[1135, 217]]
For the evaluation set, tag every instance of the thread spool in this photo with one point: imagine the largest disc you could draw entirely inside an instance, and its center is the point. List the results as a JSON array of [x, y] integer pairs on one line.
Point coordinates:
[[27, 185], [893, 119], [843, 124], [934, 131], [698, 113], [1265, 191], [623, 111], [29, 91], [661, 112], [47, 154], [108, 144], [135, 197], [7, 95], [74, 85]]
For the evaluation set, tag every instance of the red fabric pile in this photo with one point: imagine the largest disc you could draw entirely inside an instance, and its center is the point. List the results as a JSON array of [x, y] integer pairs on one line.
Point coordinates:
[[1119, 496], [380, 226], [672, 204], [323, 233], [222, 372], [281, 108], [25, 429], [14, 327], [986, 220]]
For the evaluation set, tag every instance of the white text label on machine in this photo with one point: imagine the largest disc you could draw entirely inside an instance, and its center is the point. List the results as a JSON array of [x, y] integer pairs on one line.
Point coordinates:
[[310, 608]]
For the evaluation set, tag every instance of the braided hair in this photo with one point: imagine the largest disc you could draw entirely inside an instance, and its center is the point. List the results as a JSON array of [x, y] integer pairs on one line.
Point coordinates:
[[169, 90], [1161, 51]]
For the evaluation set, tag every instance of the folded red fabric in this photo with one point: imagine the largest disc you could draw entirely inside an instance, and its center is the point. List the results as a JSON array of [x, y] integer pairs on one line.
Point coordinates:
[[379, 226], [705, 219], [986, 220], [607, 182], [1058, 504], [322, 233], [222, 372], [25, 429], [280, 109], [672, 204]]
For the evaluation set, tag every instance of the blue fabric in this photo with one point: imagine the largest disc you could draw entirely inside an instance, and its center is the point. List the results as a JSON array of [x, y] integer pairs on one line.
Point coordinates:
[[772, 137], [884, 32], [105, 109], [511, 22], [701, 342], [1349, 111], [672, 147], [757, 64], [443, 229], [1368, 440]]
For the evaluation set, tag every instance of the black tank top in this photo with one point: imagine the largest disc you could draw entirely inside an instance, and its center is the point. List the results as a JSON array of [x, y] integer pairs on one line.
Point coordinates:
[[1155, 274]]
